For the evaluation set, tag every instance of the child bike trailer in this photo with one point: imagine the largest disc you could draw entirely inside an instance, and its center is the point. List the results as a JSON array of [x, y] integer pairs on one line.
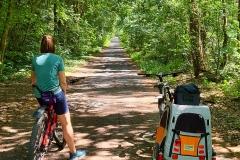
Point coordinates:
[[184, 133]]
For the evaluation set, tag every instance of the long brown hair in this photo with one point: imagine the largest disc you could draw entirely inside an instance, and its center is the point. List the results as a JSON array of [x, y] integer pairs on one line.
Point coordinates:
[[47, 44]]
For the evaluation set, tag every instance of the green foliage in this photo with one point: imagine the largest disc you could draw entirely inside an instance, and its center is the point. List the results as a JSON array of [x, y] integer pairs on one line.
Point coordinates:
[[159, 31], [70, 65], [233, 121], [160, 43], [3, 78], [231, 89], [79, 28], [156, 33], [151, 65]]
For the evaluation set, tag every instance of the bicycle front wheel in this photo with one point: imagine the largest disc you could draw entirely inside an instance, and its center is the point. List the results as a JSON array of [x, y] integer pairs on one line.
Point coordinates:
[[35, 152], [58, 136]]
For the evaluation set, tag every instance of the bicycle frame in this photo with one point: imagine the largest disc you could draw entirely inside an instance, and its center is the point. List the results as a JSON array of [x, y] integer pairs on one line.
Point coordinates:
[[163, 88], [51, 124]]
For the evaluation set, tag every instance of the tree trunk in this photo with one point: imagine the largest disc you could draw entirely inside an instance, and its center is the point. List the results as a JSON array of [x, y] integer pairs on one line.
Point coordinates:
[[203, 39], [196, 43], [225, 36], [4, 34], [238, 37], [1, 6]]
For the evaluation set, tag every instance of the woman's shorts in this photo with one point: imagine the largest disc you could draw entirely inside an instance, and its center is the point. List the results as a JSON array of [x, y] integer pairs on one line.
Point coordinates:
[[61, 105]]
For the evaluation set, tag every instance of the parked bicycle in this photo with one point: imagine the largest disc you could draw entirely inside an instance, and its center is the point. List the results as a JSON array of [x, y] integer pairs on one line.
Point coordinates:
[[46, 129], [165, 95]]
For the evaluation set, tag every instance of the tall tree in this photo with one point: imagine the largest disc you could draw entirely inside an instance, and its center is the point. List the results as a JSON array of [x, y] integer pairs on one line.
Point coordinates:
[[196, 43], [225, 36], [4, 34], [238, 37]]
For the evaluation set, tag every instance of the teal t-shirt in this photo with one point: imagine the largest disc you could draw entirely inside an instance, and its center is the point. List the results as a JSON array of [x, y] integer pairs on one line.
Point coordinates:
[[46, 67]]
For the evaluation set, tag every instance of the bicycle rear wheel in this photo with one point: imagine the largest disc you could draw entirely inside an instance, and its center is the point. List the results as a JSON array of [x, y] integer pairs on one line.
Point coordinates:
[[35, 152], [58, 136]]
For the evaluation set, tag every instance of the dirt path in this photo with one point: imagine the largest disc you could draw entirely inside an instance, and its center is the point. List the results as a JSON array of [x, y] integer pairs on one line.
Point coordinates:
[[110, 109]]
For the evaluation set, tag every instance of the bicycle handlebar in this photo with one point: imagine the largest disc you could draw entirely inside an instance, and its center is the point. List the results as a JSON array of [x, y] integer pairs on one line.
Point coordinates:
[[174, 74], [160, 74], [145, 74]]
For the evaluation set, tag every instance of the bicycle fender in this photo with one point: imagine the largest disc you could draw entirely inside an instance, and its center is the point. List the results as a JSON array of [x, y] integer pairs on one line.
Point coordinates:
[[39, 112]]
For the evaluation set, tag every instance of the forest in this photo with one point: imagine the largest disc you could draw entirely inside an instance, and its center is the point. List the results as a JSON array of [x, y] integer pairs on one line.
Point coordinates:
[[198, 36], [159, 35]]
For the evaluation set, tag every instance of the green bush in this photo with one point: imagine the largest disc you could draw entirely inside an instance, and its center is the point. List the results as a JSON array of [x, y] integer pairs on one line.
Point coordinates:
[[231, 89]]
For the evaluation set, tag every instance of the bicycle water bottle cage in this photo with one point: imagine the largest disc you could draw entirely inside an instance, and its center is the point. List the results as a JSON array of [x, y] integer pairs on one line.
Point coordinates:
[[39, 112]]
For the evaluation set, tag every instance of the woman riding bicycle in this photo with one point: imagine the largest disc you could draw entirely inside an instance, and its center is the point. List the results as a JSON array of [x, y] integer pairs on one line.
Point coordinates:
[[48, 74]]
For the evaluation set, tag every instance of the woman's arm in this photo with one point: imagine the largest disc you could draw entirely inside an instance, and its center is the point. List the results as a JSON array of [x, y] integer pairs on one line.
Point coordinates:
[[33, 77], [62, 81]]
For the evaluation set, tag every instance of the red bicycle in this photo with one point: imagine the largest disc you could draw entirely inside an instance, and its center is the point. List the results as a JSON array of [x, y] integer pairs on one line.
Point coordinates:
[[45, 129]]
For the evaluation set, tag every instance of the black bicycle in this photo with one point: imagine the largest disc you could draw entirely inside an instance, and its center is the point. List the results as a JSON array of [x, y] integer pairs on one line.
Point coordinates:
[[165, 95]]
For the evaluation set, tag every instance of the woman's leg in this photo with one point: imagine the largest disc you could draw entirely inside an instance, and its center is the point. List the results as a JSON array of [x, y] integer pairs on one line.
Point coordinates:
[[62, 110], [68, 134]]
